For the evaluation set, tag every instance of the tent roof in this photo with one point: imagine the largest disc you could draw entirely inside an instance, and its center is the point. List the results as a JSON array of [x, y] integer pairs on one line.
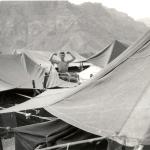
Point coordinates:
[[53, 132], [86, 73], [40, 57], [108, 54], [43, 56], [18, 71], [115, 103]]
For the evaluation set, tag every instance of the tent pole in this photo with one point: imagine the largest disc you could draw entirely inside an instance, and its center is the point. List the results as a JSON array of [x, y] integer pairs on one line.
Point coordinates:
[[124, 145], [1, 145], [24, 95], [33, 84], [82, 65], [72, 143]]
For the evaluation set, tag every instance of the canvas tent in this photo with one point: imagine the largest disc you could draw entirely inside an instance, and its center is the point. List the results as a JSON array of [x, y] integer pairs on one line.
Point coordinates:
[[115, 103], [108, 54], [45, 55], [61, 134], [88, 73], [19, 71], [42, 58], [53, 133]]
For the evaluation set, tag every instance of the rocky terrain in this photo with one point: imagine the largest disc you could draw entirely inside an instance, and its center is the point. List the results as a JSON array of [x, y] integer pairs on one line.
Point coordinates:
[[53, 25]]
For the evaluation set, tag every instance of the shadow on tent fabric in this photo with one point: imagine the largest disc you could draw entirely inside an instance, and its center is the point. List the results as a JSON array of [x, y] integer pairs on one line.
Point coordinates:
[[14, 120], [78, 135], [1, 146], [112, 145], [8, 119], [58, 132], [52, 133], [102, 145]]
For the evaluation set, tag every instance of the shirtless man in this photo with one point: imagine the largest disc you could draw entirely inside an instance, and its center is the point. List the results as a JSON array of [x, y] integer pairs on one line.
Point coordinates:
[[63, 65]]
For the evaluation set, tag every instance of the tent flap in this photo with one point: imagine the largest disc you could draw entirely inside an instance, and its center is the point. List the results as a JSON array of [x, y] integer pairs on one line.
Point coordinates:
[[19, 71], [108, 54]]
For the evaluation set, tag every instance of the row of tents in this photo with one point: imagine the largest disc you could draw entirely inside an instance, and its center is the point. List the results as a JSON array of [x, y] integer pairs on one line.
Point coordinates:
[[113, 104], [18, 71], [23, 66]]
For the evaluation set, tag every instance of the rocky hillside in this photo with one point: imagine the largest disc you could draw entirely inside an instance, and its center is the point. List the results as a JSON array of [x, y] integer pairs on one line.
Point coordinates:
[[53, 25]]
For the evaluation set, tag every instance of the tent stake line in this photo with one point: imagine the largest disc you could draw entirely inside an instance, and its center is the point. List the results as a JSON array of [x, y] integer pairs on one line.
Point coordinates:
[[72, 143]]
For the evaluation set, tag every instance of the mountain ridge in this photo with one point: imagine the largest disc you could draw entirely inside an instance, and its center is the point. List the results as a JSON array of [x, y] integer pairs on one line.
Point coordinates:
[[54, 26]]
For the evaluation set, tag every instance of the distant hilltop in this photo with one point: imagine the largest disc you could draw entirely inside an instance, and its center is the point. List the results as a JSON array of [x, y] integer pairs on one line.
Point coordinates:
[[58, 25]]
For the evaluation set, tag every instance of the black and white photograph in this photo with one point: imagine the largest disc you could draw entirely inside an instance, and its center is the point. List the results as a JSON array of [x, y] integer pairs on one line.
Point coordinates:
[[74, 75]]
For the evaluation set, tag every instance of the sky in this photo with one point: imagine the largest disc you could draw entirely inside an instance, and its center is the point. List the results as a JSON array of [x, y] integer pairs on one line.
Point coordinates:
[[135, 8]]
